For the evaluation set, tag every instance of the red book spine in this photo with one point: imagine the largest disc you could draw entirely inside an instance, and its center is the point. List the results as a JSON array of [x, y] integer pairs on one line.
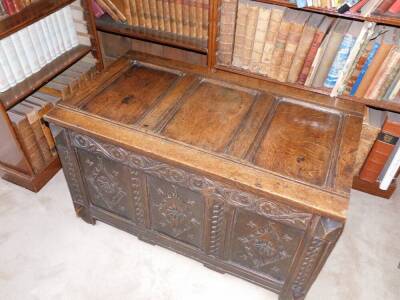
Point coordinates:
[[384, 6], [97, 10], [395, 8], [9, 7], [356, 8], [319, 36]]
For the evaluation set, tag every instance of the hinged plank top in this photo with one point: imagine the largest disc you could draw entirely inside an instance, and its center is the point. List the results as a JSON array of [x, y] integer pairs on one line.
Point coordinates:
[[235, 129]]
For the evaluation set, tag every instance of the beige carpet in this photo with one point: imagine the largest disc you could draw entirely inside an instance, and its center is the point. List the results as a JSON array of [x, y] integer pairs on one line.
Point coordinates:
[[48, 253]]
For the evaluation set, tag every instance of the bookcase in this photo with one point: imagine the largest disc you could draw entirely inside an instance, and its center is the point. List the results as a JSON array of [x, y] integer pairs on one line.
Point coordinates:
[[15, 165]]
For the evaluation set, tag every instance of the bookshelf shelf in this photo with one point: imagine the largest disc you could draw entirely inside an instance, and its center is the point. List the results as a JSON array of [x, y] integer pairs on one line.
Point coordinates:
[[19, 92], [387, 105], [29, 15], [107, 24], [377, 19]]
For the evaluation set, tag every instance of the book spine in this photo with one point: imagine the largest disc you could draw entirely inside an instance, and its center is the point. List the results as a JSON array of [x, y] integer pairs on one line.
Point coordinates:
[[153, 14], [167, 16], [70, 27], [226, 32], [395, 8], [97, 10], [4, 85], [206, 5], [11, 56], [186, 17], [292, 43], [173, 16], [140, 11], [179, 17], [50, 39], [22, 58], [199, 19], [147, 16], [316, 43], [393, 89], [160, 15], [259, 39], [6, 67], [43, 42], [134, 13], [279, 49], [378, 156], [251, 25], [192, 18], [364, 68], [390, 169], [384, 6], [270, 40], [340, 60], [240, 34], [57, 32], [37, 45]]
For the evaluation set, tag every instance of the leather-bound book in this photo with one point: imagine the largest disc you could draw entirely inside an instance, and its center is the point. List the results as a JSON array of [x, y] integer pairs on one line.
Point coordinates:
[[384, 7], [226, 31], [140, 13], [381, 149], [277, 13], [385, 75], [381, 54], [206, 8], [108, 10], [32, 114], [199, 18], [134, 13], [393, 89], [296, 30], [333, 78], [167, 16], [395, 8], [251, 25], [280, 44], [27, 139], [44, 107], [146, 14], [192, 19], [153, 14], [307, 37], [264, 15], [173, 16], [186, 17], [179, 16], [329, 54], [315, 45], [117, 6], [128, 12], [160, 15], [358, 67], [240, 34]]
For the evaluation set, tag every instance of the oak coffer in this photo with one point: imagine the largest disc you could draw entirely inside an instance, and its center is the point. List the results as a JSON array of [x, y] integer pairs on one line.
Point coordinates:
[[219, 167]]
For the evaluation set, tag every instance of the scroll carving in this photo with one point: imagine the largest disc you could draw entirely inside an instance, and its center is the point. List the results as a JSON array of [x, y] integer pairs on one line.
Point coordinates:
[[262, 206], [216, 237]]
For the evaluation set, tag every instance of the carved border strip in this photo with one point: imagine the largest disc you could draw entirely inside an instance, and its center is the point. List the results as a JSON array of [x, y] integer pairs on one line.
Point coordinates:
[[261, 206]]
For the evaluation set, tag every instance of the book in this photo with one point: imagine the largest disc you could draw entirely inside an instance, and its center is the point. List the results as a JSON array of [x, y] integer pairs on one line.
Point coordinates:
[[8, 51], [199, 19], [395, 8], [4, 85], [238, 51], [393, 89], [380, 82], [369, 7], [281, 39], [250, 30], [384, 6], [21, 55], [315, 46], [292, 43], [382, 148], [97, 10], [226, 31], [7, 76], [153, 14], [391, 168], [277, 13], [185, 18], [140, 13], [61, 23], [108, 10], [206, 8], [27, 139], [167, 16], [179, 16], [173, 18], [160, 15], [134, 13], [259, 37], [192, 19], [70, 26], [305, 43], [332, 47]]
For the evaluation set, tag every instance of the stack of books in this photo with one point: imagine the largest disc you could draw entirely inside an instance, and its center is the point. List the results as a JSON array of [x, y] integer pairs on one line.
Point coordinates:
[[11, 7], [27, 51], [363, 7], [337, 55], [186, 18], [26, 117]]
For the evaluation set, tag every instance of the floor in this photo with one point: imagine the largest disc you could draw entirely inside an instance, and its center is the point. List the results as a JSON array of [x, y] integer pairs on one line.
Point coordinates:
[[48, 253]]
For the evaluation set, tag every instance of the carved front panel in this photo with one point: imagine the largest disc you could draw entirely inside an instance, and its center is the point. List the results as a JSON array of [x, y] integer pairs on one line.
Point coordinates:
[[264, 246], [108, 184], [176, 211]]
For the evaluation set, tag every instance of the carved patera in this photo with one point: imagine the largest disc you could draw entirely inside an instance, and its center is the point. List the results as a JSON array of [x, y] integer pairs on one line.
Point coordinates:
[[176, 212], [107, 184], [264, 246], [262, 206]]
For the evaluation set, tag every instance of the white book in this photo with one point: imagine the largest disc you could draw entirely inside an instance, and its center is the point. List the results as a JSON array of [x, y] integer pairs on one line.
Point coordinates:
[[11, 56], [64, 30], [45, 35], [4, 86], [29, 49], [70, 25], [53, 38], [21, 54], [5, 65], [390, 169], [43, 42], [57, 32], [37, 45]]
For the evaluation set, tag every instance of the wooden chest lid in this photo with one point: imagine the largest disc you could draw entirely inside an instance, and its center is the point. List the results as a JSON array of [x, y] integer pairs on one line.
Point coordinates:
[[297, 150]]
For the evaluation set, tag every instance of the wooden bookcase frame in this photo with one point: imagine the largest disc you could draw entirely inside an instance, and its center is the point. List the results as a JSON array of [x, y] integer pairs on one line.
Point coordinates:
[[14, 164]]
